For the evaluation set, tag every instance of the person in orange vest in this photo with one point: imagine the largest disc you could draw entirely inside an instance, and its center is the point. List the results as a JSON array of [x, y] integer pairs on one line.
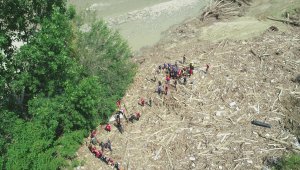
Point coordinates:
[[108, 127]]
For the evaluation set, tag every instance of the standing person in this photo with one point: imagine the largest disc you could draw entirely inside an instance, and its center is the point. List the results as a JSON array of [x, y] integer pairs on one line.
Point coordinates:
[[159, 89], [142, 102], [184, 80], [98, 153], [94, 140], [117, 166], [191, 69], [190, 72], [108, 127], [93, 133], [119, 103], [150, 102], [107, 145], [159, 68], [206, 70], [165, 66], [135, 117], [192, 66], [183, 59], [166, 89], [175, 84], [172, 72], [119, 125], [168, 79], [110, 162]]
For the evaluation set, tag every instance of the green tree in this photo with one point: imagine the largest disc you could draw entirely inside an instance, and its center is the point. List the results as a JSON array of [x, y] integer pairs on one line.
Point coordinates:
[[32, 147], [44, 64], [104, 53], [52, 93], [20, 19]]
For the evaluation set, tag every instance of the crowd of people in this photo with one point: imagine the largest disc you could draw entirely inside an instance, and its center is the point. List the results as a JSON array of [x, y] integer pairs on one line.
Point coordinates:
[[171, 72], [107, 146], [178, 74]]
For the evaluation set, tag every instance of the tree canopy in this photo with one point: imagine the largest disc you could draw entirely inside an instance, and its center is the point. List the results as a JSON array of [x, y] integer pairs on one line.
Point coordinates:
[[53, 91]]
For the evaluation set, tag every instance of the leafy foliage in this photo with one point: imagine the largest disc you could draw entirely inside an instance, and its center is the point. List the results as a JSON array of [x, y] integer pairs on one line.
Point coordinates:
[[21, 18], [289, 162], [107, 56], [51, 95]]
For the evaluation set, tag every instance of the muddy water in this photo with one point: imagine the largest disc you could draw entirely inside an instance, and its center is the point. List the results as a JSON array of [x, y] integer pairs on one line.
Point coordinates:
[[142, 22]]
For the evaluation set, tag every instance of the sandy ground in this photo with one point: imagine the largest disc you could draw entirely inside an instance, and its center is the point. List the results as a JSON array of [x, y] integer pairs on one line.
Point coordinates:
[[207, 123]]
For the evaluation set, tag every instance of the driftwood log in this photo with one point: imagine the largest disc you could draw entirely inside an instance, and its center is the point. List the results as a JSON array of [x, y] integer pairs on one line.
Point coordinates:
[[295, 23]]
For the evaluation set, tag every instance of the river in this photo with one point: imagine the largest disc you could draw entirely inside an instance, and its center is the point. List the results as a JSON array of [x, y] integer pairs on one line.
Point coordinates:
[[141, 22]]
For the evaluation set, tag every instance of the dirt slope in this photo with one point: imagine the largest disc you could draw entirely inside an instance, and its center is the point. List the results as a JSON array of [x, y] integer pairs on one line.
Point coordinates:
[[207, 123]]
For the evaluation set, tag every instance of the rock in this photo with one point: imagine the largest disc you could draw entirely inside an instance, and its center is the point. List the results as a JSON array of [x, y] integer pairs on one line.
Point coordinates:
[[220, 113], [232, 104], [249, 161], [193, 165], [192, 158], [79, 167]]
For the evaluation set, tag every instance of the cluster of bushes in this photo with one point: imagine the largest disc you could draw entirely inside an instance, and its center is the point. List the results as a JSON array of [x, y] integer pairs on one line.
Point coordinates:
[[58, 86]]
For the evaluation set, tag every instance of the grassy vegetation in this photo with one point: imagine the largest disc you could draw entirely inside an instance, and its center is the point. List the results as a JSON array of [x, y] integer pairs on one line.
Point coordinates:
[[290, 162]]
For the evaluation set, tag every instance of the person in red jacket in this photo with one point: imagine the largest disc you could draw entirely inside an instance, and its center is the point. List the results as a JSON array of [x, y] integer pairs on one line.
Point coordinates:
[[92, 148], [98, 153], [168, 79], [119, 103], [110, 162], [166, 89], [179, 73], [190, 72], [108, 127], [142, 102]]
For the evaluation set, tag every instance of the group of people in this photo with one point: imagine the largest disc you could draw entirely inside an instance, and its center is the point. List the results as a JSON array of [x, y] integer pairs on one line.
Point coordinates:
[[172, 72], [94, 142], [99, 153], [176, 73]]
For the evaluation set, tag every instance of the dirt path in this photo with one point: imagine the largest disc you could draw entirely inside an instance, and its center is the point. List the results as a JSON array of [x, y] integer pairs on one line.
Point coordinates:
[[207, 123]]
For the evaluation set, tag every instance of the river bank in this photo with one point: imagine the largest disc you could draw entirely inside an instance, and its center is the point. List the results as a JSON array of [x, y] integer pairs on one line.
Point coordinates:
[[207, 123], [141, 22]]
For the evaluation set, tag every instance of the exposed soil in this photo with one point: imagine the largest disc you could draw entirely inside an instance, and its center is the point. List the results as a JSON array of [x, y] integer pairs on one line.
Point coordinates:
[[206, 124]]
